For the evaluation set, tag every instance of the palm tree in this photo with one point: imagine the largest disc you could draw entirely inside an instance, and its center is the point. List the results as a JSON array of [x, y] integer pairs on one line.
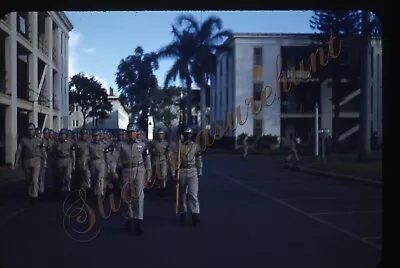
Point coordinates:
[[182, 49], [210, 38]]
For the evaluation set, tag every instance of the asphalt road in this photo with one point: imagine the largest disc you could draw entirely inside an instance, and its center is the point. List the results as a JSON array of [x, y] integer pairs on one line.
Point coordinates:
[[253, 214]]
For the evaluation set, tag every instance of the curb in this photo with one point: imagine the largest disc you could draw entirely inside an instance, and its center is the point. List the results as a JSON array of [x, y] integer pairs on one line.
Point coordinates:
[[333, 175]]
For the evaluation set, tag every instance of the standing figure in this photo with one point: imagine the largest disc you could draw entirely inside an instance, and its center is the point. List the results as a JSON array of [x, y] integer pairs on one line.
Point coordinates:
[[135, 159], [293, 149], [160, 152], [82, 159], [65, 152], [98, 154], [245, 147], [191, 168], [46, 175], [32, 150]]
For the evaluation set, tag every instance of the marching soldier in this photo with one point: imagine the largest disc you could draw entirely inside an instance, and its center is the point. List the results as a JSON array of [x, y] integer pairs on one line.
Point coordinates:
[[82, 159], [191, 167], [46, 175], [160, 151], [38, 133], [142, 136], [65, 151], [98, 154], [135, 160], [32, 150], [69, 134]]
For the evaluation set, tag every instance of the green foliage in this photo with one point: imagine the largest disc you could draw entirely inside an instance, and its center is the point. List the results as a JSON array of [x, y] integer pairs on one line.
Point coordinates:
[[137, 82], [90, 96]]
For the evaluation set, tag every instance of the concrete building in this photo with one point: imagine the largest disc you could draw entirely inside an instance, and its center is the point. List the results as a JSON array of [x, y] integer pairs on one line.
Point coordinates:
[[253, 63], [33, 75], [118, 117]]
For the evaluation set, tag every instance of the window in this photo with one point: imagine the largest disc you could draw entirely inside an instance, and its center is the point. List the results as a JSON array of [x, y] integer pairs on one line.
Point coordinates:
[[257, 89], [257, 56], [75, 123], [257, 127]]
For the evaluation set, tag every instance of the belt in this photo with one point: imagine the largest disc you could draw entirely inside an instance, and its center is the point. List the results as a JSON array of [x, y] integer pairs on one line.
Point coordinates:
[[133, 165], [96, 158], [31, 157], [188, 165]]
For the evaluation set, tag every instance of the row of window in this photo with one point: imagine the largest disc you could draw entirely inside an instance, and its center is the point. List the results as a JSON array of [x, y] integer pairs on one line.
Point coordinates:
[[257, 87]]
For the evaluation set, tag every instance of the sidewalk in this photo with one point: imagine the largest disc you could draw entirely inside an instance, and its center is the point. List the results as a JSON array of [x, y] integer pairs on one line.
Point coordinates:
[[8, 176], [343, 167]]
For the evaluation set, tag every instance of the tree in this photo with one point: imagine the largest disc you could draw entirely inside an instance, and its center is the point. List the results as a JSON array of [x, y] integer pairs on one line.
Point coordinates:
[[182, 49], [166, 106], [210, 38], [343, 24], [90, 96], [136, 82]]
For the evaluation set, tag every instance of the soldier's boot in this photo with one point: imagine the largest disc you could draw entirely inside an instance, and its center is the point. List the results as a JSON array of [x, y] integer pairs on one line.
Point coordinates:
[[128, 225], [195, 219], [137, 227], [182, 217]]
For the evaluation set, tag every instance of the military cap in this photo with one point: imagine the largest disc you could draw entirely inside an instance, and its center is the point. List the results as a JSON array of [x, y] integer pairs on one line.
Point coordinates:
[[31, 126], [122, 132], [46, 130], [84, 131], [69, 131], [63, 131], [96, 132], [188, 129], [38, 131], [133, 127], [160, 131]]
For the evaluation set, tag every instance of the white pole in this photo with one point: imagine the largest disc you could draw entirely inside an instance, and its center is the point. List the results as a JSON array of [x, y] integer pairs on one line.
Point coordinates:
[[316, 131]]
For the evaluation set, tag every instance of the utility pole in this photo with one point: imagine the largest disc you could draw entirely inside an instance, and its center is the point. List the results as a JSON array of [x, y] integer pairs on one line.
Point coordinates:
[[365, 94]]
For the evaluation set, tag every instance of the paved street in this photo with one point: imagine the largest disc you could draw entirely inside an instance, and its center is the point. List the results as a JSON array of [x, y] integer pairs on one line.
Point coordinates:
[[253, 214]]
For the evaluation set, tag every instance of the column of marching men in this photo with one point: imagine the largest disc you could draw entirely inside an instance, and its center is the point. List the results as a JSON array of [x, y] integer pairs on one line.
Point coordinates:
[[53, 162]]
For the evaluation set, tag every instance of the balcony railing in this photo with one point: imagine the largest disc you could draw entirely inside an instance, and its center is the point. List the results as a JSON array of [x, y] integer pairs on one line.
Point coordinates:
[[42, 44], [43, 100], [4, 19], [54, 55]]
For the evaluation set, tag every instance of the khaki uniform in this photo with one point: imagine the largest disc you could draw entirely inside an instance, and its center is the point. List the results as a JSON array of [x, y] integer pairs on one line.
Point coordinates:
[[159, 152], [65, 151], [34, 153], [99, 155], [82, 163], [190, 170], [47, 174], [135, 160]]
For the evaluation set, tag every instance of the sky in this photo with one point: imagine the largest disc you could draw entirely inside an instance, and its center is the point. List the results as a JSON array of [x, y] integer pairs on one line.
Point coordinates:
[[100, 40]]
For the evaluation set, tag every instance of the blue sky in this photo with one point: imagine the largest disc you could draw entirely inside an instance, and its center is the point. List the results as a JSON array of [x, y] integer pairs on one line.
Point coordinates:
[[101, 39]]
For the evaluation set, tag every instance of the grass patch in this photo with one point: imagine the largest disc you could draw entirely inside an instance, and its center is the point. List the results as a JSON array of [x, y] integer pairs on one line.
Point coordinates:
[[348, 165]]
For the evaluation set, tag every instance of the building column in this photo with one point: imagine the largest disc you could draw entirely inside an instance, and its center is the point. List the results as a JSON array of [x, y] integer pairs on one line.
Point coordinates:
[[11, 111], [49, 75], [65, 111], [33, 69], [326, 108]]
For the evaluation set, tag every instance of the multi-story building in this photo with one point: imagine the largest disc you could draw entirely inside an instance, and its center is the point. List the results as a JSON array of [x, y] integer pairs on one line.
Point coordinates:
[[33, 75], [255, 61], [118, 118]]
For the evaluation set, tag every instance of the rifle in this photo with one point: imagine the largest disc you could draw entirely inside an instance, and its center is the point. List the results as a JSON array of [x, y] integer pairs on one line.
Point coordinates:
[[179, 132]]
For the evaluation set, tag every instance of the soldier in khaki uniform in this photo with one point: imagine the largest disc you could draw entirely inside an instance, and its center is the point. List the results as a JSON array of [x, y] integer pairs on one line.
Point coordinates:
[[82, 160], [98, 154], [65, 151], [46, 174], [32, 150], [159, 151], [135, 160], [191, 167]]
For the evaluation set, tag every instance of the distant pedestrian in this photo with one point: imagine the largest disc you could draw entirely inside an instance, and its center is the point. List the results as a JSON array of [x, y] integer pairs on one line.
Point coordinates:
[[245, 148], [293, 149]]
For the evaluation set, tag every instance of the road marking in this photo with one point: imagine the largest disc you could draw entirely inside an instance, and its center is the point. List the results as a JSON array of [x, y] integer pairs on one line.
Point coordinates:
[[13, 215], [278, 201], [346, 212], [332, 198], [372, 238]]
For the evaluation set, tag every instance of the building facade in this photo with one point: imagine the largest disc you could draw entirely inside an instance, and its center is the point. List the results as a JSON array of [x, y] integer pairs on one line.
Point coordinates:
[[257, 61], [118, 117], [33, 75]]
